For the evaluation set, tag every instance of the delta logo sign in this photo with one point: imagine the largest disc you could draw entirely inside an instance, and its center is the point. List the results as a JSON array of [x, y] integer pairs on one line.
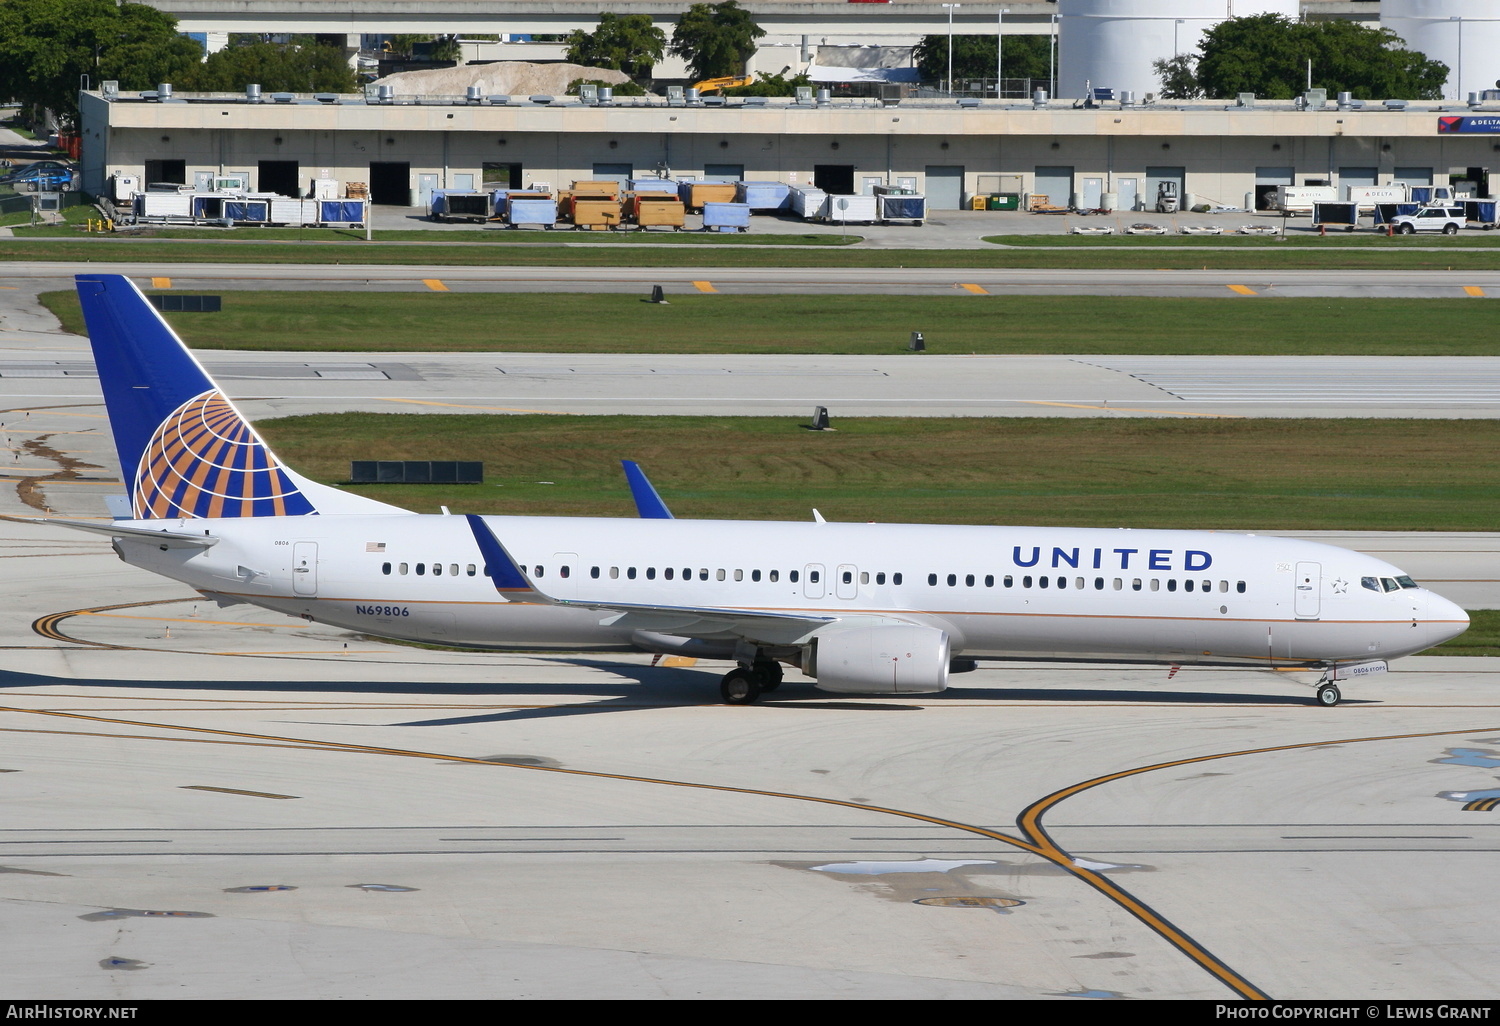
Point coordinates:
[[1456, 125]]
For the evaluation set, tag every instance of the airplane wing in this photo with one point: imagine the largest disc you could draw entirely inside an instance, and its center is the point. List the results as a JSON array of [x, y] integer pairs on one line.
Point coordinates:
[[708, 622], [163, 537]]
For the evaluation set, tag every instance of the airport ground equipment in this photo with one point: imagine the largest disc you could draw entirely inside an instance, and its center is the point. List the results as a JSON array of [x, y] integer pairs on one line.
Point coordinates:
[[807, 203], [893, 203], [1344, 216], [460, 205], [530, 210], [695, 194], [763, 197], [655, 210], [1299, 199], [726, 217], [1168, 200], [1481, 213], [1146, 228]]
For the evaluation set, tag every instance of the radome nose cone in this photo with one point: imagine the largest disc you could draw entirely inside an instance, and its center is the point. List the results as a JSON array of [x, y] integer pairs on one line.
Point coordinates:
[[1446, 620]]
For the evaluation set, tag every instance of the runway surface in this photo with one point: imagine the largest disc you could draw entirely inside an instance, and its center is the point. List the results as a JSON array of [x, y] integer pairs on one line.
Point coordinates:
[[227, 803]]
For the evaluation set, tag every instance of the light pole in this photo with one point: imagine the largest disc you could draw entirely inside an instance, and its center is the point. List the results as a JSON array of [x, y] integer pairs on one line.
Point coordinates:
[[1052, 71], [999, 48], [1458, 85], [951, 8], [1176, 50]]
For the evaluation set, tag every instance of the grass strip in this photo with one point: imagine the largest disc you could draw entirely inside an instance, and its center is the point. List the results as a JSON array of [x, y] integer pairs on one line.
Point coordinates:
[[380, 322], [438, 253], [1246, 475]]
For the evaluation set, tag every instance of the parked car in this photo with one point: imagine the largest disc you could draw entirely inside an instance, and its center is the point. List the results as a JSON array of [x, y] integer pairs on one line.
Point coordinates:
[[43, 175], [1447, 220]]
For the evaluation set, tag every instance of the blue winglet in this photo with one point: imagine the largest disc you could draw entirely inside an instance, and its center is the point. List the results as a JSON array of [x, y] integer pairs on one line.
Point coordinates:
[[498, 566], [647, 503]]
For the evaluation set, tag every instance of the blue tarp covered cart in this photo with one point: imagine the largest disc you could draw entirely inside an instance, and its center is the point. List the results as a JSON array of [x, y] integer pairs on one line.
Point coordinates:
[[726, 217], [763, 197], [530, 211], [341, 211], [1481, 213]]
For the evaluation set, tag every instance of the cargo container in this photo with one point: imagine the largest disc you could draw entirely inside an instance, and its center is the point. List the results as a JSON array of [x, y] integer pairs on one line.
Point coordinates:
[[763, 197], [1423, 195], [530, 209], [454, 205], [603, 187], [655, 210], [1299, 199], [293, 211], [251, 211], [1481, 213], [164, 206], [807, 203], [340, 212], [893, 204], [1336, 215], [726, 217], [842, 209], [595, 213], [695, 194], [1366, 196]]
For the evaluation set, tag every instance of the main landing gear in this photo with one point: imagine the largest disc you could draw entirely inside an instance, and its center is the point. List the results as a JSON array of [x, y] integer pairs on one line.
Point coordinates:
[[744, 684]]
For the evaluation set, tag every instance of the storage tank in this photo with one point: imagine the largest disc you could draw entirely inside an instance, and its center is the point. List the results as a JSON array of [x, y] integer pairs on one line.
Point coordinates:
[[1463, 34], [1111, 44]]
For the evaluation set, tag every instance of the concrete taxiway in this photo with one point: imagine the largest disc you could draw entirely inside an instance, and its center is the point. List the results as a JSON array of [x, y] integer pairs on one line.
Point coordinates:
[[831, 279], [228, 803]]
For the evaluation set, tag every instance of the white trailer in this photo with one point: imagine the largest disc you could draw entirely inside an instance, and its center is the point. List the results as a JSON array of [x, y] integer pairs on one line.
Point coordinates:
[[1299, 199], [1367, 196]]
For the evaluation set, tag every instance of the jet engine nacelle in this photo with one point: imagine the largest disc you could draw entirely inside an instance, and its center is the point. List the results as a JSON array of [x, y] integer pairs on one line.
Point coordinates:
[[894, 660]]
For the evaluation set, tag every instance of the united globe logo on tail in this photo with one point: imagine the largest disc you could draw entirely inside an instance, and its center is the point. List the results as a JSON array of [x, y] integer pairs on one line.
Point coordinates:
[[204, 461]]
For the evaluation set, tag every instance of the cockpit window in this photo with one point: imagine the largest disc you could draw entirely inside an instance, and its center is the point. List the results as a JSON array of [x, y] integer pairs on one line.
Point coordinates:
[[1407, 582], [1372, 583], [1390, 584]]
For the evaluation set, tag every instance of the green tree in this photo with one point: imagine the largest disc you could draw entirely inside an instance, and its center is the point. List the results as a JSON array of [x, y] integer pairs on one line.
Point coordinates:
[[1268, 55], [974, 57], [771, 85], [620, 42], [716, 40], [47, 46], [276, 67], [1179, 77]]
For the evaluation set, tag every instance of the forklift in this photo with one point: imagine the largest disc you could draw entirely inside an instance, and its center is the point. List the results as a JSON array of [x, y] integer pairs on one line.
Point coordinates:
[[1167, 200]]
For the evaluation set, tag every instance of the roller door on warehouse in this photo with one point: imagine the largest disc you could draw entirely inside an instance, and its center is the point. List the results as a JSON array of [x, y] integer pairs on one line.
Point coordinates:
[[1267, 181], [1359, 176], [1155, 176], [945, 186], [1056, 183]]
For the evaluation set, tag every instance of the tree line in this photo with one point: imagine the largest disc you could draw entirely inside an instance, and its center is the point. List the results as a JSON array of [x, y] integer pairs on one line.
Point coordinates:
[[49, 48], [1266, 55]]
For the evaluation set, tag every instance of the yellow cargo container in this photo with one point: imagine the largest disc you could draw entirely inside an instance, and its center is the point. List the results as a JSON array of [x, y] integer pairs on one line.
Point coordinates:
[[656, 210], [594, 212], [700, 193], [610, 188]]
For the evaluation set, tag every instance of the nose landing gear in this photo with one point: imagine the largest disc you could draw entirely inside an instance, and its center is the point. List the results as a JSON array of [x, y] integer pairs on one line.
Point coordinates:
[[1328, 694]]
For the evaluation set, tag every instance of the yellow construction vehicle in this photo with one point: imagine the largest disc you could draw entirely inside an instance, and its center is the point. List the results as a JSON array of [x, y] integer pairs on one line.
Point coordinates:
[[718, 85]]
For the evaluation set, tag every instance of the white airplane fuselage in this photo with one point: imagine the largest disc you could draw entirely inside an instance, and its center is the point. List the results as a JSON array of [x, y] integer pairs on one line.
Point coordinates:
[[1000, 592]]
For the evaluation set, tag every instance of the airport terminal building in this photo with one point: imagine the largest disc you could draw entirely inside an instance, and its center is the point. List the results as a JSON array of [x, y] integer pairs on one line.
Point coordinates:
[[1111, 153]]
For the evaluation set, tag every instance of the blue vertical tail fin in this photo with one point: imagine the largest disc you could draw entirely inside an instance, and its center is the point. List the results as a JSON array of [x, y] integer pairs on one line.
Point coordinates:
[[185, 451]]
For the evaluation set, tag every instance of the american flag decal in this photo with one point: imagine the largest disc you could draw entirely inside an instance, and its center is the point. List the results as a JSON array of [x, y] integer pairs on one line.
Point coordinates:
[[205, 461]]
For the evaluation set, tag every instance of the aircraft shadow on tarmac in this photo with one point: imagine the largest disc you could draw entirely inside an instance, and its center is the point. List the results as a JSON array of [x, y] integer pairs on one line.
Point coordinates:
[[660, 686]]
